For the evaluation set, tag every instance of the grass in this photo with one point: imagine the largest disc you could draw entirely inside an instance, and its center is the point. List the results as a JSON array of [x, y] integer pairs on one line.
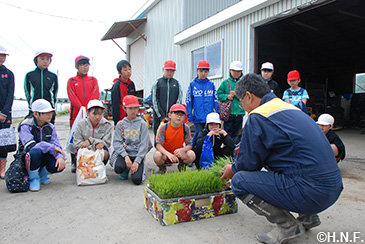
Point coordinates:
[[189, 183]]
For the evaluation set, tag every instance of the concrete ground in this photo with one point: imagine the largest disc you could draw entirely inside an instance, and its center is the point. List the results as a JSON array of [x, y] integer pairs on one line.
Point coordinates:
[[63, 212]]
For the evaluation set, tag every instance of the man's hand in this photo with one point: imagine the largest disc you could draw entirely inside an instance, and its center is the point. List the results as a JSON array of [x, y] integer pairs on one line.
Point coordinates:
[[85, 144], [134, 167], [128, 162], [100, 145], [60, 164], [227, 172]]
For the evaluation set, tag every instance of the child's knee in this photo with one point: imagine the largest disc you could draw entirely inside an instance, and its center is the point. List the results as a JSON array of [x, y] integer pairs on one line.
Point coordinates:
[[158, 157]]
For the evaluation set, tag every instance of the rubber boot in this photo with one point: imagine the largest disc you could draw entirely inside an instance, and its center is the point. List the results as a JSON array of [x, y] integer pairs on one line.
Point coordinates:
[[2, 168], [309, 221], [124, 175], [73, 163], [287, 227], [43, 174], [34, 180]]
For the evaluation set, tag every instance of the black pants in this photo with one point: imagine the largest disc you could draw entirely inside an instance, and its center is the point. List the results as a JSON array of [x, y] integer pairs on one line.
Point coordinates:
[[120, 166]]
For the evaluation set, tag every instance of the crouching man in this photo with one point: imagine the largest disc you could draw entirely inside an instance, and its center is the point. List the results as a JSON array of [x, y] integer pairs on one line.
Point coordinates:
[[302, 177]]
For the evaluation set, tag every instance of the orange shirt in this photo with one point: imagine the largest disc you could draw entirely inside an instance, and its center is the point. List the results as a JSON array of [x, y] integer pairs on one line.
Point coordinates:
[[172, 138]]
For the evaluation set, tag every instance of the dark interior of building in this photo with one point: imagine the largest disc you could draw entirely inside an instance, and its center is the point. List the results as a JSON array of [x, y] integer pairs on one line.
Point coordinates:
[[325, 43]]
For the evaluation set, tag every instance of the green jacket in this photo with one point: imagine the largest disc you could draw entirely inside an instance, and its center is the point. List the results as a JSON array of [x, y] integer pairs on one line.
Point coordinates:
[[223, 92]]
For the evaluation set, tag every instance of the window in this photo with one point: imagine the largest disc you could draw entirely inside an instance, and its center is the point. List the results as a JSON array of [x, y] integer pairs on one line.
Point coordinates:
[[211, 53], [360, 83]]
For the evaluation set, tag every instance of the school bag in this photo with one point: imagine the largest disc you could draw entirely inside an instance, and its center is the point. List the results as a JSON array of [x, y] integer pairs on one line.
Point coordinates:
[[16, 177]]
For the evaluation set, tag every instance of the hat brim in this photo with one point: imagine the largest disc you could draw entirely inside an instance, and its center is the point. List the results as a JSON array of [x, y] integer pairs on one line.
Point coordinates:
[[132, 105], [45, 110], [322, 123], [45, 55], [96, 106], [167, 68]]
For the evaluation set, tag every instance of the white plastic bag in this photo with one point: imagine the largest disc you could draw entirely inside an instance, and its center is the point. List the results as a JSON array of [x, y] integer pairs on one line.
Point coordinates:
[[90, 167], [69, 143]]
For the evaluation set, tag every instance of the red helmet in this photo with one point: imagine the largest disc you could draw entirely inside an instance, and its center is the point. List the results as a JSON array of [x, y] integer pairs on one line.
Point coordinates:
[[203, 64]]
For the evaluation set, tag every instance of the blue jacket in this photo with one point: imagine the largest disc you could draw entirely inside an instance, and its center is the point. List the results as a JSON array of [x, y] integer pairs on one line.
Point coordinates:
[[201, 99], [286, 141], [6, 94]]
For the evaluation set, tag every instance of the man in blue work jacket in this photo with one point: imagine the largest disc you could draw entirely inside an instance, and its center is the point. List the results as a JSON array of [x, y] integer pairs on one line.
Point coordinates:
[[301, 174]]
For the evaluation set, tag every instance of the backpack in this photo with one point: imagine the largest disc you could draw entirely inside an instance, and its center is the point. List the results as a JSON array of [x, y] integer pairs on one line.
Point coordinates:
[[16, 177]]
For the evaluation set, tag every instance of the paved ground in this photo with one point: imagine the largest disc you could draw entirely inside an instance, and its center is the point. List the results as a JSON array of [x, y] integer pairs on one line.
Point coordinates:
[[114, 213]]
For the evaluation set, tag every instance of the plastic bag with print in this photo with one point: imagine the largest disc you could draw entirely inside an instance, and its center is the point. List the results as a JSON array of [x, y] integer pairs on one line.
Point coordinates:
[[90, 167]]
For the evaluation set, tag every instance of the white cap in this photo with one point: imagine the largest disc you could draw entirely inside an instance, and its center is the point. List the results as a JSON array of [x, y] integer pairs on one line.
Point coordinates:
[[267, 65], [95, 103], [3, 50], [41, 106], [236, 65], [325, 119], [213, 118], [44, 52]]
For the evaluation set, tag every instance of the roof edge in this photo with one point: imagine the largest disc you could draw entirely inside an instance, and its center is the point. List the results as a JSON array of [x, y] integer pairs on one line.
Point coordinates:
[[142, 12]]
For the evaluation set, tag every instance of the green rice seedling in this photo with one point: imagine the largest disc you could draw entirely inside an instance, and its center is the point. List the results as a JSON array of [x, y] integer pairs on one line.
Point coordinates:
[[219, 164]]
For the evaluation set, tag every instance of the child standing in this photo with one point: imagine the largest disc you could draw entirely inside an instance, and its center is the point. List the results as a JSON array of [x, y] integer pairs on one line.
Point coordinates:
[[94, 132], [165, 93], [325, 122], [170, 141], [41, 83], [131, 143], [38, 139], [80, 90], [6, 102], [122, 87], [201, 98], [296, 95]]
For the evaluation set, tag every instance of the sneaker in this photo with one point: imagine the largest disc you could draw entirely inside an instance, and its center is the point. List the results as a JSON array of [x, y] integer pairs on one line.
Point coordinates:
[[181, 166], [162, 169], [73, 168], [190, 165], [124, 175]]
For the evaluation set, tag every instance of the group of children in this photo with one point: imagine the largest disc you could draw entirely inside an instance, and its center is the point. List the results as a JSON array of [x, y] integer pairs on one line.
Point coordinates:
[[38, 139]]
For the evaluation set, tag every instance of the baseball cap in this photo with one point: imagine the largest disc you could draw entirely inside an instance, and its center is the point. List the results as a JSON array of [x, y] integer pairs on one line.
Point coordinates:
[[213, 118], [325, 119], [95, 103], [43, 53], [169, 64], [267, 65], [236, 65], [41, 106], [178, 107], [3, 50], [293, 75], [81, 58], [130, 101], [203, 64]]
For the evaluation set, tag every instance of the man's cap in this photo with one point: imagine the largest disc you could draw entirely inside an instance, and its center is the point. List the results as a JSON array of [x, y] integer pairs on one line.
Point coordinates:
[[236, 65], [178, 108], [213, 118], [95, 103], [130, 101], [41, 106], [325, 119], [203, 64], [169, 64], [267, 65], [3, 50], [81, 58], [43, 53], [293, 75]]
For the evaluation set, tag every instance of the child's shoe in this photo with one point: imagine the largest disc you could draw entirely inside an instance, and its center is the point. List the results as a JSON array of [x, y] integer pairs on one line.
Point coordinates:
[[43, 174], [162, 169], [181, 166], [34, 180], [124, 175], [2, 168]]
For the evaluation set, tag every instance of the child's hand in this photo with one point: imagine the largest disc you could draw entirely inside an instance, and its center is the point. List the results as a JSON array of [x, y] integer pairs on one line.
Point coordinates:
[[173, 158], [100, 145], [134, 167], [128, 162], [2, 118], [222, 132], [85, 144], [179, 153], [60, 164], [57, 150]]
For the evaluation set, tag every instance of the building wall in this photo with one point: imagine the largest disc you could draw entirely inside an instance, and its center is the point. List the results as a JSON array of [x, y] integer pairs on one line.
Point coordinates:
[[165, 20]]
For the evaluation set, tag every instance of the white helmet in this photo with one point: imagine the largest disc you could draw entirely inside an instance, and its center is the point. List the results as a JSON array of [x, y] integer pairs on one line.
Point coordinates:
[[213, 118]]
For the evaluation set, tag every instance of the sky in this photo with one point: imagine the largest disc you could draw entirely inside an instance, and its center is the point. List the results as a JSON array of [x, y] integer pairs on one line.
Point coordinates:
[[67, 29]]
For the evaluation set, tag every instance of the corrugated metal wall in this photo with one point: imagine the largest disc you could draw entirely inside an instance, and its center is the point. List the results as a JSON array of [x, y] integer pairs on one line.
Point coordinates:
[[165, 20], [195, 11]]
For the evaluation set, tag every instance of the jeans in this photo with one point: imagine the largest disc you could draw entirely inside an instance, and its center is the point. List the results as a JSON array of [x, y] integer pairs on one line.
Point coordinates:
[[37, 160], [233, 125], [120, 166]]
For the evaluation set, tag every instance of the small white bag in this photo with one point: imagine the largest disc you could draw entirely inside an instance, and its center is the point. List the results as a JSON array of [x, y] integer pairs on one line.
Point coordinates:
[[90, 167], [69, 143]]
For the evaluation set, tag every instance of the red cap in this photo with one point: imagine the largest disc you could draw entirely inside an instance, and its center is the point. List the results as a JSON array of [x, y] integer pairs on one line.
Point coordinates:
[[293, 75], [178, 107], [130, 101], [80, 58], [169, 64], [203, 64]]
